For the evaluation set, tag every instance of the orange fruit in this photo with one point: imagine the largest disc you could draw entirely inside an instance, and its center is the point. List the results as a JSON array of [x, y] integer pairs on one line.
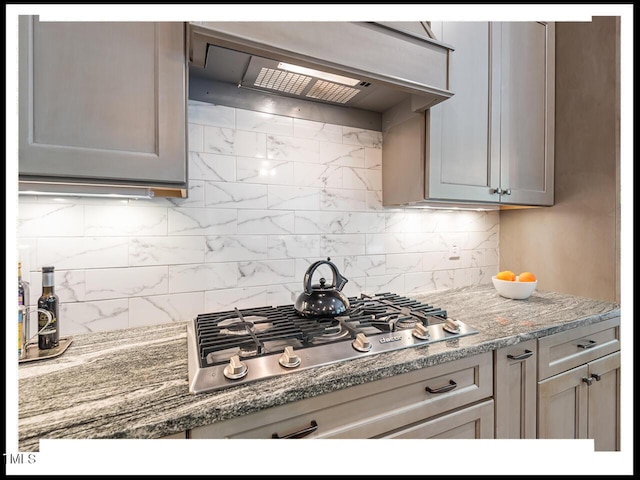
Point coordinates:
[[507, 275], [526, 277]]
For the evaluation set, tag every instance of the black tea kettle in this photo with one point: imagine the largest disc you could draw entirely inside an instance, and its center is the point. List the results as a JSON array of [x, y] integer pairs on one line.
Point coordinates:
[[320, 300]]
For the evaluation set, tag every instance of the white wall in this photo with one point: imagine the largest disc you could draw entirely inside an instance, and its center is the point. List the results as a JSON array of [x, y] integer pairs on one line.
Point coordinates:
[[268, 195]]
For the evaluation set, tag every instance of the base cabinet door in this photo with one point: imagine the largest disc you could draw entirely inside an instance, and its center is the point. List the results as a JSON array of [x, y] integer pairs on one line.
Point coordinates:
[[472, 422], [583, 402], [515, 388]]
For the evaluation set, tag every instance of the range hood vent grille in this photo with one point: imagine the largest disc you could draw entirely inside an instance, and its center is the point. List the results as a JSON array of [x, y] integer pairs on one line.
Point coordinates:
[[332, 92], [281, 81]]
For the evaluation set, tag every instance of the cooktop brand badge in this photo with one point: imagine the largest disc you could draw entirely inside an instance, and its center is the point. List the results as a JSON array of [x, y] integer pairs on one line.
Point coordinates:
[[395, 338]]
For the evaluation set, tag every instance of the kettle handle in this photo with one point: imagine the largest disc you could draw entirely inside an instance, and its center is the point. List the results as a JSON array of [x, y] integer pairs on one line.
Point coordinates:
[[338, 280]]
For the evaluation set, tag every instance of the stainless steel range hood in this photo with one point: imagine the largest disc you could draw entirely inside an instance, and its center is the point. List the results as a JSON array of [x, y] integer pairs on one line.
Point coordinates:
[[336, 72]]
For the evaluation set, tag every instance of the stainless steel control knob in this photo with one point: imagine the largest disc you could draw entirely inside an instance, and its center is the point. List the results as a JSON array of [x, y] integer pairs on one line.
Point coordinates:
[[361, 343], [235, 369], [289, 358], [420, 331]]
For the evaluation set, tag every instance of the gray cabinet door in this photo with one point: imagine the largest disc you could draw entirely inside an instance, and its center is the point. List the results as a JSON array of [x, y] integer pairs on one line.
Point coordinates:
[[604, 403], [493, 140], [102, 102], [527, 110], [463, 156]]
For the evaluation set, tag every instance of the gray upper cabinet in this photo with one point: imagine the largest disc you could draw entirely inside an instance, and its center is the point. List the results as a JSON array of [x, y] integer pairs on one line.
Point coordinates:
[[493, 141], [103, 103]]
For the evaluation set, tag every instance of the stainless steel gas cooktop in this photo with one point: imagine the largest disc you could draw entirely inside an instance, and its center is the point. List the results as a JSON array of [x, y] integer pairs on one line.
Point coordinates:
[[236, 347]]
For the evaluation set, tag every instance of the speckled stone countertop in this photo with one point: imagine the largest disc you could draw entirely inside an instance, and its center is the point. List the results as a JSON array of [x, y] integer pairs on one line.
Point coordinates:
[[134, 383]]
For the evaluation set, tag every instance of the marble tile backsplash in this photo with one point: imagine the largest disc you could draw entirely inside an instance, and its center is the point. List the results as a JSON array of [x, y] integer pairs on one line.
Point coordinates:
[[268, 195]]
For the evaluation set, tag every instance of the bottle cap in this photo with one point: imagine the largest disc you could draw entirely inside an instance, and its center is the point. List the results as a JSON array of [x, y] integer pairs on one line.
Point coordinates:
[[47, 269]]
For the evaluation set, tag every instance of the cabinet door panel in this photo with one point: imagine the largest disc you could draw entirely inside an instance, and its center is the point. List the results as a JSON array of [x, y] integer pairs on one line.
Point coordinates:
[[526, 112], [103, 101], [562, 405], [604, 403], [515, 391], [462, 164]]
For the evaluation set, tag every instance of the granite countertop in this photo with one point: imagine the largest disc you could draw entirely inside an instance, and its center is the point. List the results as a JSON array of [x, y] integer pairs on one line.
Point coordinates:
[[133, 383]]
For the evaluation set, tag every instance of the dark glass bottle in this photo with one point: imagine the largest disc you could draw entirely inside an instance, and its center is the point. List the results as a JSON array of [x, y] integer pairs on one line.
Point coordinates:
[[50, 336]]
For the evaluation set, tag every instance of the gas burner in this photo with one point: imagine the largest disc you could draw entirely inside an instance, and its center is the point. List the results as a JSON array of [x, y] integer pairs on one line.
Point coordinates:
[[333, 329], [242, 326]]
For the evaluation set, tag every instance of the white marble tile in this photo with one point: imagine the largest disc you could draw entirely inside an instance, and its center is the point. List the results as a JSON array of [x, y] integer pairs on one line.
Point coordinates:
[[110, 221], [195, 196], [230, 298], [364, 265], [166, 250], [50, 219], [283, 294], [69, 286], [265, 222], [384, 283], [230, 248], [202, 221], [264, 122], [362, 178], [106, 283], [405, 263], [293, 198], [317, 175], [479, 276], [425, 242], [475, 257], [100, 316], [204, 113], [373, 158], [265, 272], [358, 136], [261, 170], [379, 243], [338, 222], [292, 149], [250, 144], [341, 154], [342, 244], [219, 140], [317, 130], [235, 195], [211, 166], [373, 200], [201, 277], [293, 246], [195, 139], [159, 309], [491, 257], [342, 199], [355, 286], [479, 240], [82, 252]]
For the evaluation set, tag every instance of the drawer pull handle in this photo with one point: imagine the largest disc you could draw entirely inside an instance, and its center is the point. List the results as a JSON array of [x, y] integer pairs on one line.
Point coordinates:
[[301, 433], [587, 380], [591, 344], [446, 388], [522, 356], [596, 376]]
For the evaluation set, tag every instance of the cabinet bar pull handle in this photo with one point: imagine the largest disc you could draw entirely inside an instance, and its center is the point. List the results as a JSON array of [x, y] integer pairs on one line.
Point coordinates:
[[596, 376], [587, 380], [301, 433], [591, 344], [522, 356], [446, 388]]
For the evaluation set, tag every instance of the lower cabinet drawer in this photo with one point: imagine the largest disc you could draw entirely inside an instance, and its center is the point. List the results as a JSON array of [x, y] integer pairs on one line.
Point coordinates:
[[473, 422], [563, 351], [370, 409]]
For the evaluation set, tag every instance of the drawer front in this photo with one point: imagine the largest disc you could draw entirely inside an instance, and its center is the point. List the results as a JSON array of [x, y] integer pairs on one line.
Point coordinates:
[[565, 350], [471, 422], [370, 409]]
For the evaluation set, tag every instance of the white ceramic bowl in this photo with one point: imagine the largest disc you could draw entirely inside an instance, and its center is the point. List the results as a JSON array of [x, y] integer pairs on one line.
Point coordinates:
[[515, 290]]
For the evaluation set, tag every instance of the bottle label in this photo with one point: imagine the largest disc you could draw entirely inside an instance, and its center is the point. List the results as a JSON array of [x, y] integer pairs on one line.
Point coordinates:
[[42, 324]]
